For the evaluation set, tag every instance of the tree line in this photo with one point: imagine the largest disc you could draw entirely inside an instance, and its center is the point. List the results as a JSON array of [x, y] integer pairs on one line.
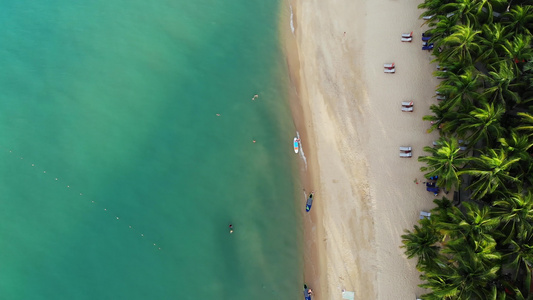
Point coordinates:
[[479, 245]]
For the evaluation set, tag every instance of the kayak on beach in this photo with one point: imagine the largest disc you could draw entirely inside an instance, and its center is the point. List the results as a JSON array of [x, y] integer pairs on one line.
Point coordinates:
[[309, 202], [307, 293], [296, 144]]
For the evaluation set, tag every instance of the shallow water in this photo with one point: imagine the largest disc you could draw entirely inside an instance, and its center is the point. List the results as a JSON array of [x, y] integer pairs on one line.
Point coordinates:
[[118, 101]]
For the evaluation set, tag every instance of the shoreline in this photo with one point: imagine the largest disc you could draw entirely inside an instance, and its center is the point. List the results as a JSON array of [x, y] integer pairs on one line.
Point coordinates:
[[314, 262], [346, 110]]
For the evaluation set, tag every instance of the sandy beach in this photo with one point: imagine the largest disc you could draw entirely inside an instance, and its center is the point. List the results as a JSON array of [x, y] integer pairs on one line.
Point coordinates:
[[353, 127]]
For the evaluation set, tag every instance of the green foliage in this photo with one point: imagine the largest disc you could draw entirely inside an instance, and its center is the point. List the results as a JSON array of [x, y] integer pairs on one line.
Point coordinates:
[[483, 247]]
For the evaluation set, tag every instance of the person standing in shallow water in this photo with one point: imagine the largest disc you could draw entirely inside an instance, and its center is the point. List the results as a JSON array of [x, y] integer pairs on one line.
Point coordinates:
[[230, 228]]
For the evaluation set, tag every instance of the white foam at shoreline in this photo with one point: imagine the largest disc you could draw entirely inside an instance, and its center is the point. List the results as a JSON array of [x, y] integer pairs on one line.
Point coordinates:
[[301, 151], [292, 19]]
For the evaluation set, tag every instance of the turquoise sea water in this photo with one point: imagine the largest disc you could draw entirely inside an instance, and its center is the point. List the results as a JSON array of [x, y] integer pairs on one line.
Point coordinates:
[[108, 120]]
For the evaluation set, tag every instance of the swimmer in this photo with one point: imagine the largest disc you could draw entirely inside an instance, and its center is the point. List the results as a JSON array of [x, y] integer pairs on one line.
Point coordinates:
[[218, 115], [230, 228], [253, 141]]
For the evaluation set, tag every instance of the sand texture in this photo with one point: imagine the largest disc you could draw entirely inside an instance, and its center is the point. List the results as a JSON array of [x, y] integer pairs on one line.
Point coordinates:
[[366, 193]]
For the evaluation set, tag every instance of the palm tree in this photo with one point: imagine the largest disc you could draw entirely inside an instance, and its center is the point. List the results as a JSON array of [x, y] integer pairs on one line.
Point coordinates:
[[466, 10], [521, 19], [516, 213], [473, 225], [519, 254], [482, 123], [517, 146], [443, 27], [518, 51], [490, 171], [493, 36], [466, 277], [500, 84], [444, 162], [528, 127], [433, 7], [461, 45], [460, 88], [421, 242]]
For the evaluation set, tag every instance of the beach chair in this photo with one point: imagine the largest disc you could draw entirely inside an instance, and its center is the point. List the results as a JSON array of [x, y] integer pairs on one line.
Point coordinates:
[[389, 70], [407, 35], [389, 66], [427, 47], [406, 154], [424, 214], [405, 149], [441, 97], [407, 109], [409, 39], [434, 190], [428, 17], [426, 38], [435, 144], [438, 93], [407, 103]]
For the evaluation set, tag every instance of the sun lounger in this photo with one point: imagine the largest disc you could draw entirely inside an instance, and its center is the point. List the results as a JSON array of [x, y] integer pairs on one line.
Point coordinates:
[[409, 39], [389, 66], [438, 93], [441, 97], [407, 109], [435, 190], [434, 177], [405, 149], [389, 70], [407, 35], [462, 148], [435, 143], [426, 38], [426, 34], [428, 17], [406, 154], [407, 103], [430, 184], [427, 47], [439, 67], [424, 214]]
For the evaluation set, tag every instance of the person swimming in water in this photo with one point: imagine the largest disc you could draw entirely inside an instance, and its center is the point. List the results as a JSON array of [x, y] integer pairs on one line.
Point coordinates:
[[230, 228]]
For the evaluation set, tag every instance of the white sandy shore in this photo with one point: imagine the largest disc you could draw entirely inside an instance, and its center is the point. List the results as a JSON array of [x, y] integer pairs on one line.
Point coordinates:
[[366, 195]]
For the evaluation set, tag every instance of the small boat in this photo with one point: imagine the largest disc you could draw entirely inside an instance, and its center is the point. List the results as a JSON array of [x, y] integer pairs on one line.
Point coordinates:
[[296, 144], [306, 293], [309, 202]]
